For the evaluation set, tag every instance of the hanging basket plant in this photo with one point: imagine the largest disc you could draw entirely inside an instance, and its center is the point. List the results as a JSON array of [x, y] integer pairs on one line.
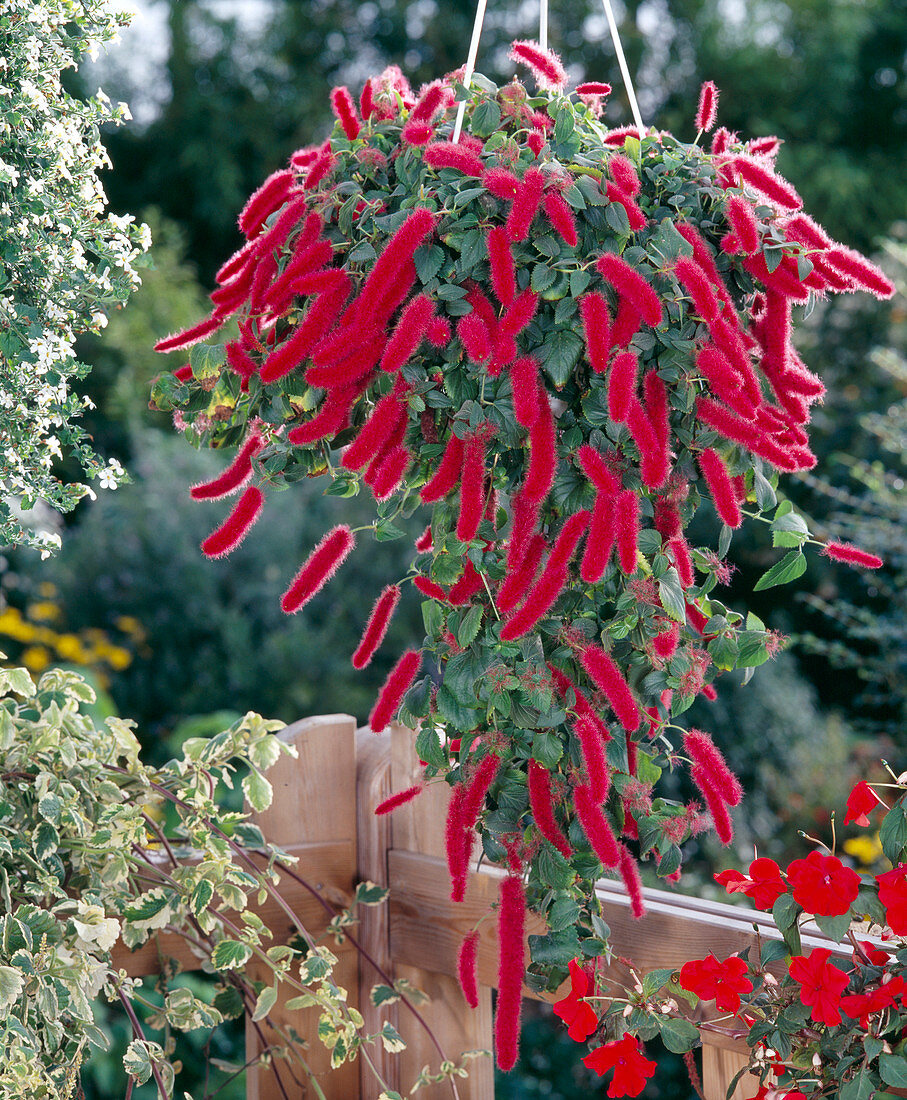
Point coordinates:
[[557, 342]]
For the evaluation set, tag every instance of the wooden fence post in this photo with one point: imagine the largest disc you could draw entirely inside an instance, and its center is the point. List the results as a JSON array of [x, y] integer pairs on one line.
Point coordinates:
[[314, 815]]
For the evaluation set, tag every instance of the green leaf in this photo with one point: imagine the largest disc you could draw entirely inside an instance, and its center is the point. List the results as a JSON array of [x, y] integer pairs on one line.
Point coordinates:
[[206, 360], [486, 118], [45, 840], [861, 1086], [772, 950], [670, 591], [391, 1038], [385, 531], [893, 1068], [265, 1002], [201, 897], [790, 567], [555, 949], [678, 1035], [432, 617], [788, 528], [559, 355], [834, 927], [547, 749], [469, 628], [257, 791], [542, 277], [383, 995], [230, 954], [18, 681], [785, 912], [893, 833], [564, 913], [370, 893], [11, 984], [655, 980], [428, 747]]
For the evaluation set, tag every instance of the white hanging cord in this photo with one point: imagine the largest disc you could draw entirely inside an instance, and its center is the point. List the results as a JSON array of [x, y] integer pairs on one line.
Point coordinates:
[[470, 65], [622, 61], [543, 24]]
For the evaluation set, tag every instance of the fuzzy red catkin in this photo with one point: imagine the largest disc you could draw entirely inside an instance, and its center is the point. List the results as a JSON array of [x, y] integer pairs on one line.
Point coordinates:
[[471, 490], [263, 202], [234, 477], [542, 806], [331, 418], [707, 756], [707, 110], [626, 522], [717, 807], [525, 205], [595, 826], [860, 270], [656, 395], [542, 452], [376, 627], [697, 283], [358, 361], [236, 263], [434, 96], [374, 432], [320, 168], [524, 381], [439, 332], [767, 183], [626, 324], [635, 216], [425, 542], [501, 183], [665, 643], [593, 466], [680, 552], [743, 222], [408, 333], [395, 687], [519, 313], [467, 586], [448, 473], [457, 851], [387, 470], [345, 110], [444, 154], [318, 568], [561, 217], [545, 64], [723, 380], [597, 328], [624, 174], [236, 526], [503, 273], [367, 100], [398, 799], [621, 385], [278, 234], [511, 965], [629, 872], [189, 336], [475, 337], [602, 535], [605, 674], [183, 373], [430, 588], [467, 958], [519, 578], [593, 749], [852, 555], [388, 268], [295, 350], [722, 490]]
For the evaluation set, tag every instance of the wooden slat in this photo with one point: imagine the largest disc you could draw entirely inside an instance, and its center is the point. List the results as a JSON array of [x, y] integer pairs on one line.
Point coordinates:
[[719, 1067], [419, 827], [314, 802], [324, 863]]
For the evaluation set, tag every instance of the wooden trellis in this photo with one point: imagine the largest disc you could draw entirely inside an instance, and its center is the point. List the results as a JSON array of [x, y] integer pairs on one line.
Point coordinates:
[[323, 813]]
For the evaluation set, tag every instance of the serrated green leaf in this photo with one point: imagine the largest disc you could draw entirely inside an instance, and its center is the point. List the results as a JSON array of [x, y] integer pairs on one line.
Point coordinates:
[[230, 954], [677, 1034], [370, 893], [469, 627], [670, 591], [790, 567], [559, 355], [893, 833]]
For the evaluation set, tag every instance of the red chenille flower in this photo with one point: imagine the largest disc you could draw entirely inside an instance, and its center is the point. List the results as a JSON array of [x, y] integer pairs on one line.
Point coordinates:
[[862, 801], [631, 1068], [822, 885], [579, 1016], [722, 982], [821, 984], [893, 895], [764, 884]]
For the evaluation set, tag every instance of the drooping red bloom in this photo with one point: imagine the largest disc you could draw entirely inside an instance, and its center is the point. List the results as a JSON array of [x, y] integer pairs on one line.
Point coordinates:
[[345, 110], [696, 280], [467, 586], [524, 380], [720, 487], [580, 1017], [320, 168], [626, 523], [764, 883], [505, 185], [597, 329], [822, 885], [503, 274], [331, 418], [772, 186], [624, 174], [561, 217], [262, 203], [236, 526], [860, 271], [665, 643], [542, 807], [471, 490], [512, 963], [377, 625], [721, 982], [595, 469], [631, 1068], [525, 205], [521, 576], [439, 332], [893, 895], [852, 555], [621, 385], [447, 475], [596, 827], [707, 110], [821, 984], [467, 958], [542, 452], [318, 568], [593, 87], [374, 433], [430, 588], [398, 799], [234, 477], [626, 324], [519, 314], [604, 672], [743, 222], [717, 806], [408, 333], [189, 336], [630, 284], [184, 373], [860, 804], [395, 687], [594, 758], [444, 154], [629, 872], [545, 64], [704, 754]]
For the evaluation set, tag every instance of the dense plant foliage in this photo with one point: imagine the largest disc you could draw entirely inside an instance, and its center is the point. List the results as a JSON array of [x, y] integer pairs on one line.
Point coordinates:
[[571, 320], [65, 264]]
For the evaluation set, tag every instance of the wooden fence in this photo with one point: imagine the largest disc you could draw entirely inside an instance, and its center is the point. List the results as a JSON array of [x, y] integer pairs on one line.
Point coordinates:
[[323, 813]]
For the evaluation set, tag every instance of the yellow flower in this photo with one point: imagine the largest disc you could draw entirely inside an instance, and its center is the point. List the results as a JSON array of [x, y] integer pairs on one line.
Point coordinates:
[[866, 849], [35, 658], [117, 657], [70, 648], [43, 610]]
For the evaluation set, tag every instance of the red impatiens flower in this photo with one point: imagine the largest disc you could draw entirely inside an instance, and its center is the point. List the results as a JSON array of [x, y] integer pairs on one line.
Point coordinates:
[[764, 884], [863, 1005], [822, 885], [821, 984], [578, 1014], [893, 895], [722, 982], [862, 801], [631, 1068]]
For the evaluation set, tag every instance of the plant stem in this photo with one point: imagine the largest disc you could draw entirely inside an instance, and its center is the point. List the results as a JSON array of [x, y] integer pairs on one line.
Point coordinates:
[[139, 1033]]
